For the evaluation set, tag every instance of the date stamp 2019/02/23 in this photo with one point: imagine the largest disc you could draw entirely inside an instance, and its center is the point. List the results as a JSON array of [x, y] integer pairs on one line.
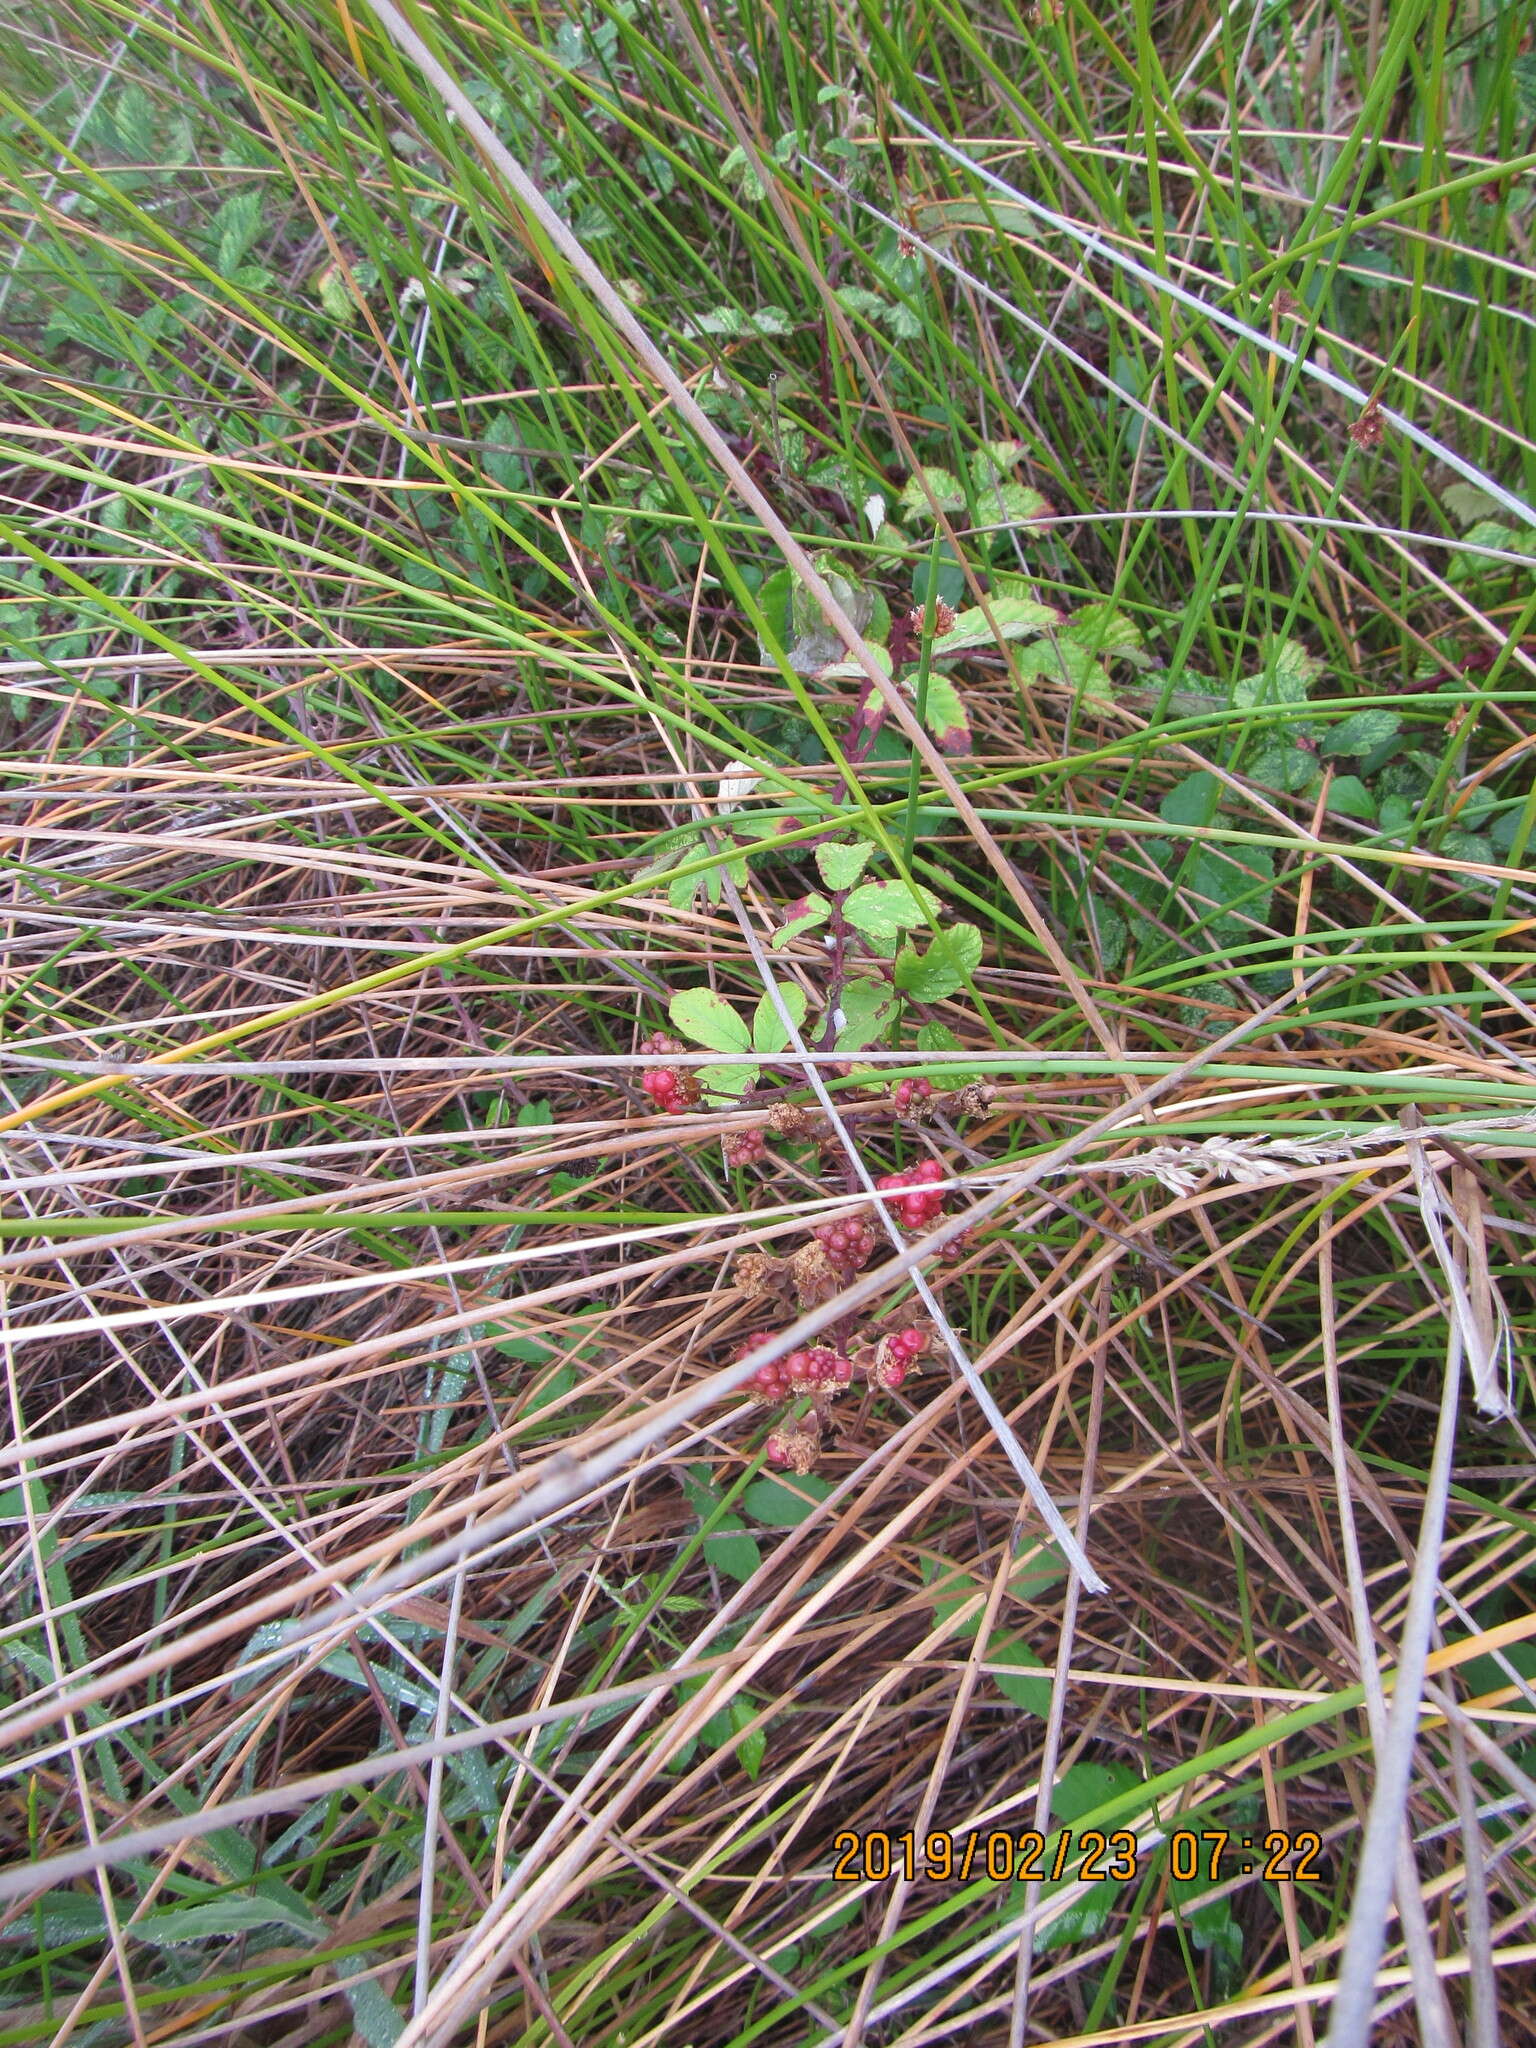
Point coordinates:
[[1209, 1855]]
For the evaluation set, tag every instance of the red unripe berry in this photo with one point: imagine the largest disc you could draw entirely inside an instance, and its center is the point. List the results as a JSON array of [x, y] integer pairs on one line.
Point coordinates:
[[910, 1092]]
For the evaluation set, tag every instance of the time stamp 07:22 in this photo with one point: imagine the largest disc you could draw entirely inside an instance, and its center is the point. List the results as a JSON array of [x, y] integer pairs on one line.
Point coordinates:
[[1280, 1857]]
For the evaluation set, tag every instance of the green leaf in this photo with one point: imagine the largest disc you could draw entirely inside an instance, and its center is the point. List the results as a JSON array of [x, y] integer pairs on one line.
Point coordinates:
[[945, 715], [1080, 1790], [133, 116], [1361, 733], [709, 1020], [233, 229], [1397, 814], [850, 671], [1030, 1579], [58, 1920], [728, 1546], [1468, 846], [738, 167], [336, 296], [869, 1009], [727, 1082], [1032, 1694], [1218, 879], [784, 1504], [1467, 503], [1065, 661], [944, 969], [1103, 629], [1484, 1674], [1110, 932], [1209, 1922], [1288, 672], [753, 1746], [805, 914], [993, 459], [700, 1490], [560, 1383], [401, 1693], [732, 1551], [1286, 767], [1348, 795], [946, 488], [1009, 505], [841, 866], [1488, 533], [882, 909], [666, 850], [768, 1033], [1017, 618], [223, 1917], [775, 600], [939, 1038], [815, 643], [1034, 1576], [1192, 801]]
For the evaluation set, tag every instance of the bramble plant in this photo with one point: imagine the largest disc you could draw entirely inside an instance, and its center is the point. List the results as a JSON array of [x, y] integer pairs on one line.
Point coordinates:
[[877, 983]]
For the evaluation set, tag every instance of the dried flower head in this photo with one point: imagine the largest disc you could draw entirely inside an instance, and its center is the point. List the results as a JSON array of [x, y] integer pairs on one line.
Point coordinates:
[[1366, 432], [976, 1098], [795, 1120], [762, 1277], [794, 1447], [816, 1279], [744, 1148]]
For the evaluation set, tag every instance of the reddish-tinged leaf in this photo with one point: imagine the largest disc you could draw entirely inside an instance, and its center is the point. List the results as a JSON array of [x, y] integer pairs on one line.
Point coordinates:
[[945, 716]]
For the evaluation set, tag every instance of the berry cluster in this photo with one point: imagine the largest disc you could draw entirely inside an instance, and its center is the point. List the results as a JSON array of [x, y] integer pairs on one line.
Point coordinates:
[[848, 1245], [913, 1096], [671, 1091], [895, 1356], [926, 1201], [793, 1447], [745, 1148], [817, 1371]]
